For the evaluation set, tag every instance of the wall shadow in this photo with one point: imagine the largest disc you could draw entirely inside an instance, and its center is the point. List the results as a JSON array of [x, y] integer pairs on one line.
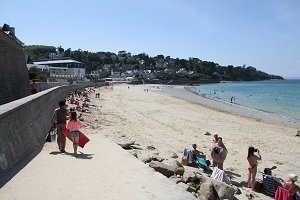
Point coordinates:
[[8, 174]]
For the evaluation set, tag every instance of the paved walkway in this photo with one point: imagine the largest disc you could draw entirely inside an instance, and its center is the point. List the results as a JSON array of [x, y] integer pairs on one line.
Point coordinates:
[[103, 171]]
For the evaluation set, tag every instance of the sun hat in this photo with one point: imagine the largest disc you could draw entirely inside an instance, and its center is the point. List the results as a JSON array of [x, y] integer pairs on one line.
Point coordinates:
[[293, 177]]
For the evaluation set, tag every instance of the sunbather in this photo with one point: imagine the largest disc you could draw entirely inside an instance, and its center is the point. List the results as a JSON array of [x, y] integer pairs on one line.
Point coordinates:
[[290, 185]]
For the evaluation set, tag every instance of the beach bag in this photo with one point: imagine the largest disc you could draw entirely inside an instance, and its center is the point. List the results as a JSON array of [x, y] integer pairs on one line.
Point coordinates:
[[184, 158], [51, 136], [258, 186]]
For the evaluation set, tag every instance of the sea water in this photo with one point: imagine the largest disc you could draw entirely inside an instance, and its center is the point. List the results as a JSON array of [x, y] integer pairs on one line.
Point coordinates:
[[281, 97]]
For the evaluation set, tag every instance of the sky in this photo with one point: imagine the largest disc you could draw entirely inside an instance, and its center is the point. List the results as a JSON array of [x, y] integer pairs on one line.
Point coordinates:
[[264, 34]]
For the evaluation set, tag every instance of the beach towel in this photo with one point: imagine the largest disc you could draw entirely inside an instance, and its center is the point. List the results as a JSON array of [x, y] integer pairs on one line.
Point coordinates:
[[202, 162], [270, 184], [220, 175], [282, 194]]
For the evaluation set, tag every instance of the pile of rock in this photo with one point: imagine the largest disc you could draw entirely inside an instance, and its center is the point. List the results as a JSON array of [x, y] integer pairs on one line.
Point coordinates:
[[200, 185]]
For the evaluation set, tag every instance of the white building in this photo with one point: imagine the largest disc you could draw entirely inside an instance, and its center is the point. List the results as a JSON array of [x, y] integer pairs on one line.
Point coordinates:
[[64, 68]]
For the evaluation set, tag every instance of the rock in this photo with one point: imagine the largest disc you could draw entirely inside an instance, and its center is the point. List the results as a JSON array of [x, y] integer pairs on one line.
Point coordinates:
[[177, 167], [183, 185], [162, 168], [157, 158], [134, 153], [146, 159], [151, 147], [298, 134], [237, 191], [127, 145], [189, 176], [207, 133], [173, 155], [179, 171], [223, 190], [191, 189], [123, 135], [206, 191], [176, 179], [194, 194]]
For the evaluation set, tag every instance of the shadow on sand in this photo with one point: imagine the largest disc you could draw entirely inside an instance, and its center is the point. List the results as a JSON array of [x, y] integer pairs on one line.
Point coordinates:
[[80, 155]]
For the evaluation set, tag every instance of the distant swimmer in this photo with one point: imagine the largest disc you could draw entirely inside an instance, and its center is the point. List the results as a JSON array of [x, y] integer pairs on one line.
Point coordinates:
[[231, 99]]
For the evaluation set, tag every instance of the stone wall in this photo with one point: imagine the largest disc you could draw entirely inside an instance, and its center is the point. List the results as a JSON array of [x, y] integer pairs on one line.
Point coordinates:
[[24, 123], [14, 77]]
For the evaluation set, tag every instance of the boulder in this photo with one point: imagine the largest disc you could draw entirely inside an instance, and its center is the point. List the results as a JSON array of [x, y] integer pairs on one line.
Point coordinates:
[[162, 168], [176, 179], [157, 158], [146, 159], [207, 133], [183, 185], [134, 153], [206, 191], [176, 167], [151, 147], [223, 190], [173, 155], [127, 145]]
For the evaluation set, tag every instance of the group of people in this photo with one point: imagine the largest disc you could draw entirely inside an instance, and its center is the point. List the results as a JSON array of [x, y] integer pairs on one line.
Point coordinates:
[[253, 158], [219, 152], [68, 119]]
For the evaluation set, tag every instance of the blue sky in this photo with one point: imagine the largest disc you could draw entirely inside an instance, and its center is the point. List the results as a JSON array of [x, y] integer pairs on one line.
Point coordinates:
[[261, 33]]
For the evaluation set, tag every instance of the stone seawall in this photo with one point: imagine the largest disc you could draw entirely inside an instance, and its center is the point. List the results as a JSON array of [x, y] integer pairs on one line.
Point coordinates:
[[13, 71], [24, 123]]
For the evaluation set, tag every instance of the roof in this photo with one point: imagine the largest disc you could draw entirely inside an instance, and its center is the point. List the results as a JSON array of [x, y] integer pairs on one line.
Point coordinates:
[[49, 62]]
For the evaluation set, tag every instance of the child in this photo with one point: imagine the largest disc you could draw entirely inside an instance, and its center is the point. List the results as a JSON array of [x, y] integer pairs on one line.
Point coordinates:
[[74, 125]]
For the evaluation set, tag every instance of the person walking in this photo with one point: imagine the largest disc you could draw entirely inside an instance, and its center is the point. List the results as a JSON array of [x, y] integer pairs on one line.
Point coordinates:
[[74, 125], [60, 117]]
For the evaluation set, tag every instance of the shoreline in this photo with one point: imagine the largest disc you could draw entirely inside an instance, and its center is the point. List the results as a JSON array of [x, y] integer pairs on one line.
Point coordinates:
[[182, 92]]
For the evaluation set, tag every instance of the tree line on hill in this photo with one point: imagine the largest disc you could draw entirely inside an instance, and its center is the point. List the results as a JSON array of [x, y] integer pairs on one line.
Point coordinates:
[[165, 67]]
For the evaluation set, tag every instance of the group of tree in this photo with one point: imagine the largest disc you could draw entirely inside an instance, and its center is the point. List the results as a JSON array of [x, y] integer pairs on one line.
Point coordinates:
[[123, 61]]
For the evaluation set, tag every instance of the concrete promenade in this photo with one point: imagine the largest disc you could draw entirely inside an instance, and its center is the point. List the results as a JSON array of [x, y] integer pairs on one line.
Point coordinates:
[[103, 170]]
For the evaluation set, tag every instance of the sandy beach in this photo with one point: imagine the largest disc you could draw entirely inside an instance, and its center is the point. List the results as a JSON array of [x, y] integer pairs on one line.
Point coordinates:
[[160, 124], [171, 124]]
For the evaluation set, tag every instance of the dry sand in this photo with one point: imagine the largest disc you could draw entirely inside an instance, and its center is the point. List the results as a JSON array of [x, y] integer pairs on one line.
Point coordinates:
[[172, 124]]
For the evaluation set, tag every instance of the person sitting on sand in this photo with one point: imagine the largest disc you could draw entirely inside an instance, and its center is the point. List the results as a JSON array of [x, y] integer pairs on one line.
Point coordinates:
[[80, 117], [252, 168], [218, 153], [192, 156], [197, 153], [290, 185], [85, 104]]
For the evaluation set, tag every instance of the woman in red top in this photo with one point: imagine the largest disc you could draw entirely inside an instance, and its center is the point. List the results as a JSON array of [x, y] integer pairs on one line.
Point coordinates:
[[74, 125]]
